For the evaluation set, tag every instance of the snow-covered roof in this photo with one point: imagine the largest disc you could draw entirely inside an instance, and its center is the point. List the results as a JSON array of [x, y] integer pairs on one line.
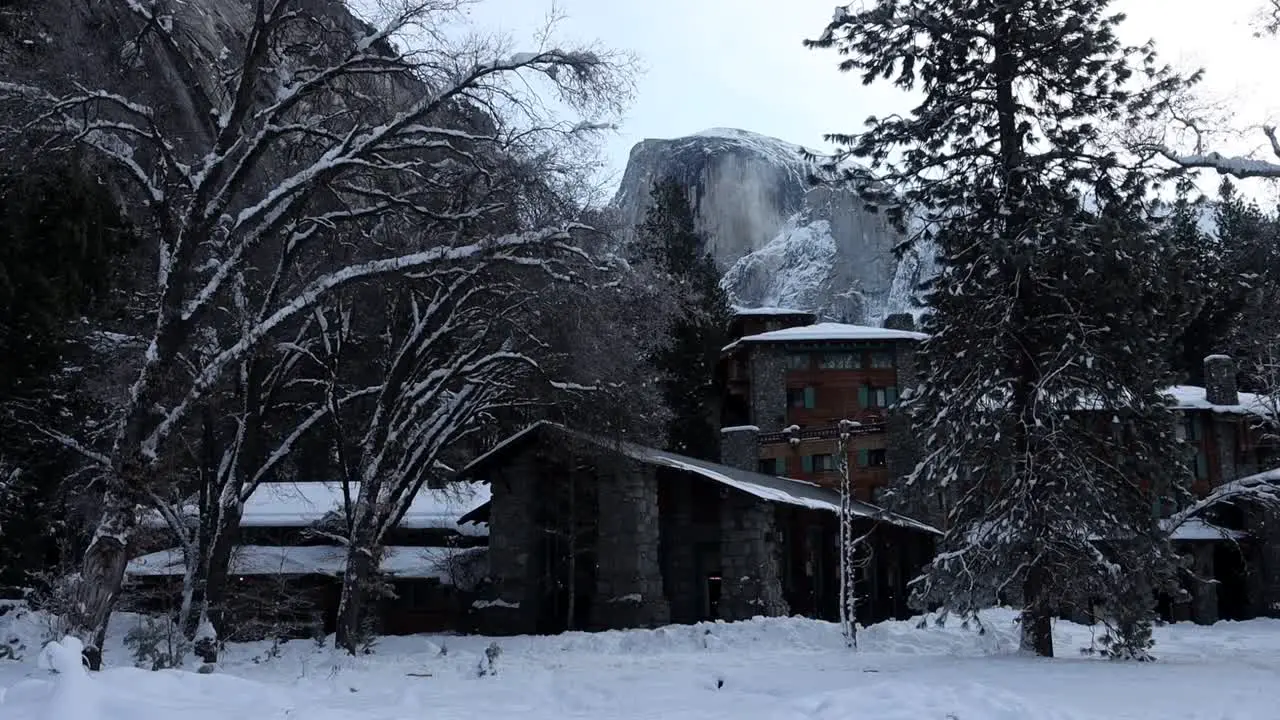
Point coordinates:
[[766, 487], [767, 311], [303, 504], [828, 331], [1198, 529], [1191, 397], [440, 563]]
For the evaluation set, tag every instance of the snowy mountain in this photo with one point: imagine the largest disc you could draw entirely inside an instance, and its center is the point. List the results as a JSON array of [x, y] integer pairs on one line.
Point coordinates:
[[779, 241]]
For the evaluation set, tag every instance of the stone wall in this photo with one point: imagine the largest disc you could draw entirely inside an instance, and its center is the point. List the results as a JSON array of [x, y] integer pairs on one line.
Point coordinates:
[[768, 368], [629, 591], [750, 559], [740, 447], [1204, 592], [508, 605]]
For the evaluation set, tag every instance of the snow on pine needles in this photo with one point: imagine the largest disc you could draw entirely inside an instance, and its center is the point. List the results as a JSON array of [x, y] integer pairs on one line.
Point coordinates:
[[779, 668]]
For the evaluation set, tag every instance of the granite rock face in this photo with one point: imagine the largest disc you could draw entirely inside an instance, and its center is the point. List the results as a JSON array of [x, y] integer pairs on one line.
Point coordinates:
[[779, 241]]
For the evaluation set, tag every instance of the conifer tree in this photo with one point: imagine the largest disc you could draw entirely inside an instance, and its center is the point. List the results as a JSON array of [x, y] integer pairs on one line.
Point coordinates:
[[1041, 414], [687, 363], [62, 246]]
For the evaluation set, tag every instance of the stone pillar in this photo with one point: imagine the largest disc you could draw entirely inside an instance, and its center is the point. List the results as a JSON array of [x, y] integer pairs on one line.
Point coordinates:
[[508, 605], [1220, 380], [679, 542], [1204, 591], [768, 370], [1264, 576], [629, 590], [900, 321], [750, 554], [740, 447]]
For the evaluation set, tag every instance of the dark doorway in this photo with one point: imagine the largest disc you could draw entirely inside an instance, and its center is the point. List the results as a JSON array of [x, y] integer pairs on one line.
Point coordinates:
[[1231, 569]]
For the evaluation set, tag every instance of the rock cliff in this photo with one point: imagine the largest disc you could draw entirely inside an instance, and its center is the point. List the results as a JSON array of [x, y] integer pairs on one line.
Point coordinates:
[[779, 241]]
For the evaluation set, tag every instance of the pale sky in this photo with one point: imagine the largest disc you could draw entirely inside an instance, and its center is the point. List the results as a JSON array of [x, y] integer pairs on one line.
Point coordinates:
[[740, 63]]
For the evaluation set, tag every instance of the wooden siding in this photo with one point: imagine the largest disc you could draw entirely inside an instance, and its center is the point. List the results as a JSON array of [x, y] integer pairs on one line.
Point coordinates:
[[840, 393], [836, 395], [866, 478]]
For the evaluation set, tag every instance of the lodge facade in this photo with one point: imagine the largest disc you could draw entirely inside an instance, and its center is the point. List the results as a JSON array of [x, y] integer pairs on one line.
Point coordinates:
[[565, 530]]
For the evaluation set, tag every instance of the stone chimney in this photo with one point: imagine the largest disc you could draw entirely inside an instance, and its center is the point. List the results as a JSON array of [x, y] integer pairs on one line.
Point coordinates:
[[1220, 380], [740, 447], [900, 321]]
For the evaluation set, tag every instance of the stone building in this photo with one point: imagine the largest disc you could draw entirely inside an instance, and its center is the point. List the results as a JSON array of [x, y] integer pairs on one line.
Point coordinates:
[[286, 571], [796, 380], [596, 533], [1238, 547]]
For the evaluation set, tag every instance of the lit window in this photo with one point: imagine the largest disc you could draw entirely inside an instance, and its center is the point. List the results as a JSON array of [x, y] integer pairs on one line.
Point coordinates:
[[882, 360]]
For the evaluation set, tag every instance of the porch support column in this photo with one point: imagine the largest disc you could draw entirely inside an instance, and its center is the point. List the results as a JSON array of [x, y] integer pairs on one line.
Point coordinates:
[[629, 590]]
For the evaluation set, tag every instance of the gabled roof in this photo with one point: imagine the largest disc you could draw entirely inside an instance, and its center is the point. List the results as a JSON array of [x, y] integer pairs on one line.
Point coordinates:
[[765, 487], [303, 504], [397, 561], [828, 331]]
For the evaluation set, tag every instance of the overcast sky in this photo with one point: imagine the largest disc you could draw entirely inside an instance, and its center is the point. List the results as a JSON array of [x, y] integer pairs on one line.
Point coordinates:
[[740, 63]]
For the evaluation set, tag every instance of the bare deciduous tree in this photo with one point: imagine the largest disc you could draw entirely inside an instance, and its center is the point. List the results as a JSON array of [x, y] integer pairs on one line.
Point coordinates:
[[320, 132]]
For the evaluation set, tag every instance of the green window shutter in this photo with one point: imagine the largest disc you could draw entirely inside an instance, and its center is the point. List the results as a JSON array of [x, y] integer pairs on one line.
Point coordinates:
[[863, 458], [780, 466], [891, 396], [807, 463], [864, 397], [809, 399], [1202, 465]]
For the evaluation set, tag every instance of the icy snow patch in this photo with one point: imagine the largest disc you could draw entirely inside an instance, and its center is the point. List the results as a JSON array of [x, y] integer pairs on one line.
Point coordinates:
[[792, 270]]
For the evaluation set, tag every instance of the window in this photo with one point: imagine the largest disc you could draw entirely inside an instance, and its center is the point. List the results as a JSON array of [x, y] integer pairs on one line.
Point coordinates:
[[874, 397], [773, 466], [818, 463], [882, 359], [1202, 465], [801, 398], [1190, 430], [797, 361], [877, 457], [839, 361]]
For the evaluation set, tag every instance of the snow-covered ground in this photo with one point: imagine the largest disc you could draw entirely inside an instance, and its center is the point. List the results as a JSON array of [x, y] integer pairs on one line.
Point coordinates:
[[779, 669]]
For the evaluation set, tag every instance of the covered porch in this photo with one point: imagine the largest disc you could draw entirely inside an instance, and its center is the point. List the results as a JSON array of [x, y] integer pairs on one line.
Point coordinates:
[[596, 533]]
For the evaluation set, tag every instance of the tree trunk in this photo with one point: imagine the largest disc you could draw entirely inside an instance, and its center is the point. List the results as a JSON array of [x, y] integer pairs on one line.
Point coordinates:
[[1037, 625], [101, 575], [572, 610], [209, 461], [362, 563], [217, 569]]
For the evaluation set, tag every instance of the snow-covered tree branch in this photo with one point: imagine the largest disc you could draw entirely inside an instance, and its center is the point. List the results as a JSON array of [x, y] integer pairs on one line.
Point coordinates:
[[335, 152], [455, 357]]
